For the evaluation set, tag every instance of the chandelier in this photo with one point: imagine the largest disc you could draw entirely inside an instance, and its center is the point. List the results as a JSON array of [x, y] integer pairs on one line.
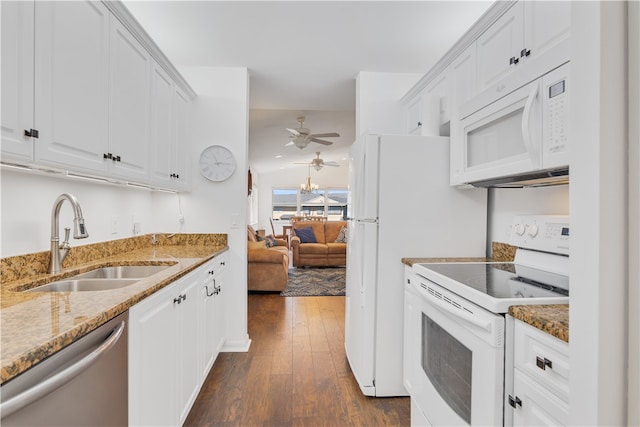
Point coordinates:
[[308, 187]]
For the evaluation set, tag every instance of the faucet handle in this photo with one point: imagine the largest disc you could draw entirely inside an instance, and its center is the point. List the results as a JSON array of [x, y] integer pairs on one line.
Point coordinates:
[[67, 231]]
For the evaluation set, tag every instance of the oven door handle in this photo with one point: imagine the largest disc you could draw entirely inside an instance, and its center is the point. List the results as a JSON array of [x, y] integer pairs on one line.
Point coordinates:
[[456, 312]]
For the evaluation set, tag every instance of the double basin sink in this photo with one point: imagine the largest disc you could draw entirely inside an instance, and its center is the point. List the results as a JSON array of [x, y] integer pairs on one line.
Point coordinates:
[[102, 278]]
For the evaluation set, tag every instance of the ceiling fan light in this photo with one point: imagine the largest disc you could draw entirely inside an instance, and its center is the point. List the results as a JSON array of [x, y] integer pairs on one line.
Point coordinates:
[[317, 166]]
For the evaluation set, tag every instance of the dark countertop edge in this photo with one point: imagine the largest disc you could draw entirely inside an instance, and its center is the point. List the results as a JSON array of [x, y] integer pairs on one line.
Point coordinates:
[[23, 363]]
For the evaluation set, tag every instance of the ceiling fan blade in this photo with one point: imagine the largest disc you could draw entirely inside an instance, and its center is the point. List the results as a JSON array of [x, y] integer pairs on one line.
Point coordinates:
[[300, 163], [321, 141], [331, 164], [325, 135], [293, 131]]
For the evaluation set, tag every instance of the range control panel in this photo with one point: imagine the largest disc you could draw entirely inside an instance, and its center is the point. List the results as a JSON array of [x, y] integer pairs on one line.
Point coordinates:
[[546, 233]]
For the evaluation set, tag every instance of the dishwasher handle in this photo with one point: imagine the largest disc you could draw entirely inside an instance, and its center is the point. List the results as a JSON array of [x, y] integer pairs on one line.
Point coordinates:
[[50, 384]]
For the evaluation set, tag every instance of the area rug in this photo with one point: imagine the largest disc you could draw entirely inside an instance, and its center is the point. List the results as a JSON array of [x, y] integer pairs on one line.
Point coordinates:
[[308, 282]]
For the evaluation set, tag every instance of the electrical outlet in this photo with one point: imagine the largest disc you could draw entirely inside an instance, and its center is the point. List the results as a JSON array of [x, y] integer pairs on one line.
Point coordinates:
[[114, 224]]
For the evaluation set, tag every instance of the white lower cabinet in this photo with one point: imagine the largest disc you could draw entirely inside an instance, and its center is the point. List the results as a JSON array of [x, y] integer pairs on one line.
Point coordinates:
[[167, 335], [540, 392], [213, 327]]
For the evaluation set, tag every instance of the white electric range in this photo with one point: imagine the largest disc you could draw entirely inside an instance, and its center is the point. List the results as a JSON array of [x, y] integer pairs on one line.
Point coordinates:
[[462, 321]]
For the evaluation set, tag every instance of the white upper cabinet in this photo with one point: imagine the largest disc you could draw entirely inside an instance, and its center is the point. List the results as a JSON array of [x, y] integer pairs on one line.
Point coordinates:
[[81, 93], [547, 24], [17, 80], [499, 47], [129, 93], [170, 116], [527, 31], [72, 84], [463, 78]]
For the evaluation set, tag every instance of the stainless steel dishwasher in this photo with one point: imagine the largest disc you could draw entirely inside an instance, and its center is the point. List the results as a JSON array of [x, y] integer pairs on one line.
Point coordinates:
[[84, 384]]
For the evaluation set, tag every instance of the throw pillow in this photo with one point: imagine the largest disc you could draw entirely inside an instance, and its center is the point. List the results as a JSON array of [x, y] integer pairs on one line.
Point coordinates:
[[306, 235], [257, 245], [342, 235], [271, 241]]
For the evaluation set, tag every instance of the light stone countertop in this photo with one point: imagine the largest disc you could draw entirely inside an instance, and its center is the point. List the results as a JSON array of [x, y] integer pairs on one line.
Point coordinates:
[[35, 325]]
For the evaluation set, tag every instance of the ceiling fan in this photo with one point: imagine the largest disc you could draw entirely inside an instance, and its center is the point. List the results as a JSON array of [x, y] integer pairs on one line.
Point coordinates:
[[318, 163], [301, 136]]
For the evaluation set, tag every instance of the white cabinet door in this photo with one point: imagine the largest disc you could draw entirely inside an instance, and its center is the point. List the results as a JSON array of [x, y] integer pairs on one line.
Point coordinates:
[[17, 80], [547, 24], [439, 88], [537, 406], [161, 125], [130, 67], [414, 116], [189, 380], [213, 323], [153, 360], [181, 167], [412, 331], [462, 76], [72, 85], [499, 47]]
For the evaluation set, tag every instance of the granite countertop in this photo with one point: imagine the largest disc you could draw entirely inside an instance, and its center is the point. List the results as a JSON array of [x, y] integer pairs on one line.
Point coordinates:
[[552, 319], [35, 325], [411, 261]]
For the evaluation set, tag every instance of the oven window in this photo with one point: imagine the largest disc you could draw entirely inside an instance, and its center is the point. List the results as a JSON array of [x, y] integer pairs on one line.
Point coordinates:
[[447, 364]]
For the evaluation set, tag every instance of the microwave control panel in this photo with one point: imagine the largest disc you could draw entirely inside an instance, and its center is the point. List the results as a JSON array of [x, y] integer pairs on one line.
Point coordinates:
[[556, 111], [547, 233]]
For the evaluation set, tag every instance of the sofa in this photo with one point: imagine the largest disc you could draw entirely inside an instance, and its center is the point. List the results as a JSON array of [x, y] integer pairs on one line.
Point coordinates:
[[267, 267], [325, 251]]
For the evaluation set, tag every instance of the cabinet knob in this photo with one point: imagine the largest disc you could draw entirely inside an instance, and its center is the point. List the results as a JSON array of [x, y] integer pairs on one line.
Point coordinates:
[[513, 401], [525, 52], [107, 156], [32, 133], [177, 299], [116, 158], [419, 124], [223, 263], [543, 363], [513, 60]]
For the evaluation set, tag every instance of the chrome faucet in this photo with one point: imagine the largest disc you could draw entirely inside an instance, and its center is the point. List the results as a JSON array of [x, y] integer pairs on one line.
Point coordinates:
[[59, 252]]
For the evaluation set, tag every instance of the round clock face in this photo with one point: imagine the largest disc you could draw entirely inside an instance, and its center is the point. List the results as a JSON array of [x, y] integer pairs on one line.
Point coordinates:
[[217, 163]]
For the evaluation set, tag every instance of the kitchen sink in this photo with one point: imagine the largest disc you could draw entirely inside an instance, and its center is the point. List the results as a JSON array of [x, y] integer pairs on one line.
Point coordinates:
[[121, 272], [80, 285], [102, 279]]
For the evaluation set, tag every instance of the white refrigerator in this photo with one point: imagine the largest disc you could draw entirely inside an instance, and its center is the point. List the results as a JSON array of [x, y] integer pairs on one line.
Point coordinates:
[[401, 205]]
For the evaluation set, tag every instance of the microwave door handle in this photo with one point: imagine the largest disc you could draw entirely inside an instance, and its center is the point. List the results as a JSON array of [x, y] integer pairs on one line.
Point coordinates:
[[526, 132]]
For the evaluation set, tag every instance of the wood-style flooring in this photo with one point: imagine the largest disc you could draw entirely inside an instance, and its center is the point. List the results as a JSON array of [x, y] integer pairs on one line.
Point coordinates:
[[296, 373]]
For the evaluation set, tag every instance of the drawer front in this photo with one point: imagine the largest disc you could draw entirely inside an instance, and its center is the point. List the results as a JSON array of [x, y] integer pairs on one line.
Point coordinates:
[[537, 406], [543, 357]]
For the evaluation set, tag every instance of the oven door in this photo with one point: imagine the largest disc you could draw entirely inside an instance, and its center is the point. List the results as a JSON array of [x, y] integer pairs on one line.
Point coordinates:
[[461, 363]]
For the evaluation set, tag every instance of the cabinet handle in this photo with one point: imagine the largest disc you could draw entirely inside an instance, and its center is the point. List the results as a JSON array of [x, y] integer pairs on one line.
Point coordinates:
[[514, 401], [32, 133], [513, 60], [223, 263], [177, 176], [525, 52], [543, 363], [419, 124], [212, 272], [107, 156], [177, 299], [116, 158]]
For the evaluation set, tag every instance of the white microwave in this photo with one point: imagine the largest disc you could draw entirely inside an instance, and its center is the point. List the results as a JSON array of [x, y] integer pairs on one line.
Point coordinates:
[[519, 139]]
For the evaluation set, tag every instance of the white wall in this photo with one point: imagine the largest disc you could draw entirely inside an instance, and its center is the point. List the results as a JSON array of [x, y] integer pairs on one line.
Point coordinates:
[[505, 203], [378, 108], [326, 177], [220, 117], [598, 268], [27, 200]]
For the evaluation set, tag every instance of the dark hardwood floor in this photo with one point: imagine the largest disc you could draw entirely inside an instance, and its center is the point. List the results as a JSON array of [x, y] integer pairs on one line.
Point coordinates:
[[296, 373]]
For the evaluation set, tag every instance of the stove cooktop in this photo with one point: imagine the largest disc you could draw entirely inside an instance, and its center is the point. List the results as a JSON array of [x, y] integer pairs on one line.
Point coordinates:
[[495, 286]]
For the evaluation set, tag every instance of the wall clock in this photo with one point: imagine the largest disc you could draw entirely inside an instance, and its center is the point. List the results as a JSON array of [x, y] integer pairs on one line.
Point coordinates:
[[217, 163]]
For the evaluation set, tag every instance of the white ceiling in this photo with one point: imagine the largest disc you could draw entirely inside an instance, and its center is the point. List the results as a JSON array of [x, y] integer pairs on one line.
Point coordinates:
[[303, 56]]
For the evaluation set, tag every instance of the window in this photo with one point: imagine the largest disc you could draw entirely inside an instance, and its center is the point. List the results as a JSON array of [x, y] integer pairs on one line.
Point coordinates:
[[289, 202]]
